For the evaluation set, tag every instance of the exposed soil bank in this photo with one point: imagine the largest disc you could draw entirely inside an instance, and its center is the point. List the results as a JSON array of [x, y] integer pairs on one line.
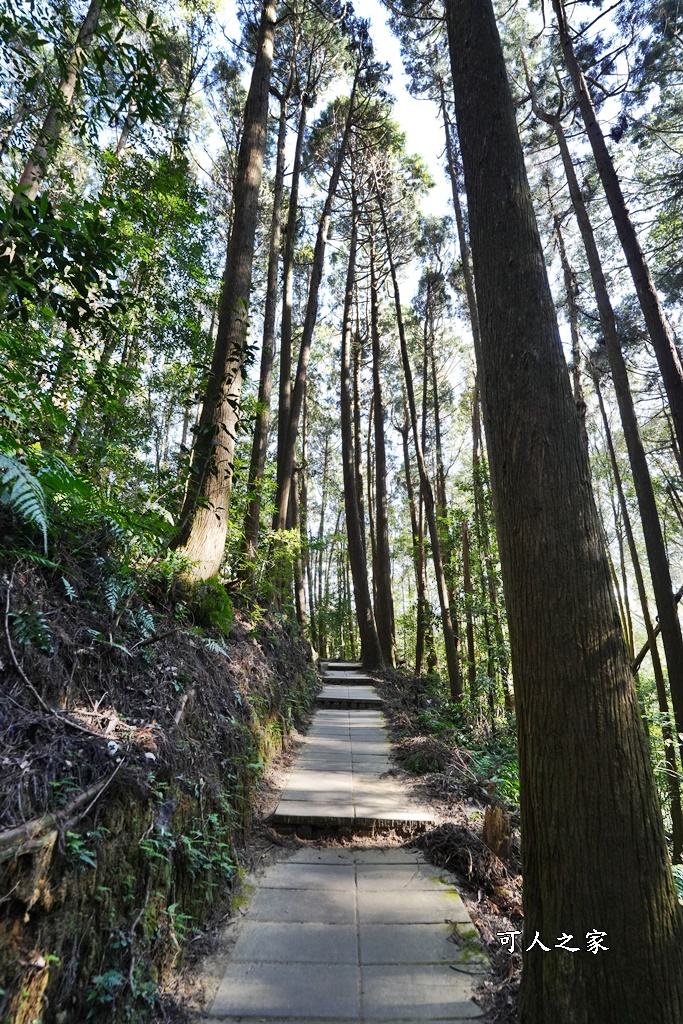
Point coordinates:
[[130, 765]]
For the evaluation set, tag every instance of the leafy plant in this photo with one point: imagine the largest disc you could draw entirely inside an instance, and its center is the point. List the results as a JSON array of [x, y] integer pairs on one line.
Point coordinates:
[[29, 627], [23, 493]]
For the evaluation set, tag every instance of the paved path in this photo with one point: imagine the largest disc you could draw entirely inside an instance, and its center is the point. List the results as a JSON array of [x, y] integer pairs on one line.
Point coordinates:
[[351, 935]]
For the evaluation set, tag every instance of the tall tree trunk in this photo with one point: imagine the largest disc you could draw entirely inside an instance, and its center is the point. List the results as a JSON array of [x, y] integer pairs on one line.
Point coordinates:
[[449, 636], [469, 617], [484, 541], [660, 332], [599, 811], [667, 732], [371, 651], [299, 584], [260, 440], [418, 551], [357, 440], [371, 498], [204, 518], [384, 606], [322, 606], [285, 386], [49, 136], [289, 450], [647, 505], [572, 290], [465, 255]]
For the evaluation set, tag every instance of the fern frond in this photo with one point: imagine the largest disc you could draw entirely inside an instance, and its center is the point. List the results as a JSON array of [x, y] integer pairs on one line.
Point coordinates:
[[23, 493]]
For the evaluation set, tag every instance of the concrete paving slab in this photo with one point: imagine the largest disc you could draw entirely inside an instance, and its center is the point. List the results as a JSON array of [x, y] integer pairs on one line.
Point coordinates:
[[396, 878], [323, 855], [410, 908], [422, 993], [313, 907], [363, 747], [370, 764], [314, 781], [369, 734], [342, 690], [406, 944], [324, 807], [316, 797], [297, 943], [309, 876], [289, 990], [388, 855], [330, 764]]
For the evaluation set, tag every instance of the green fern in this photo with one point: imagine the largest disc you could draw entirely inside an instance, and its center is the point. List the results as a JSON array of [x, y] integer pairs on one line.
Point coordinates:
[[23, 493]]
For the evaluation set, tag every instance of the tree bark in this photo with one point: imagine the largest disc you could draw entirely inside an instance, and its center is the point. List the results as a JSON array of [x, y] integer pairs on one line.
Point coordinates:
[[50, 133], [449, 636], [384, 606], [260, 439], [594, 851], [285, 386], [469, 618], [647, 505], [289, 450], [371, 651], [662, 700], [571, 289], [658, 328], [204, 518], [418, 552]]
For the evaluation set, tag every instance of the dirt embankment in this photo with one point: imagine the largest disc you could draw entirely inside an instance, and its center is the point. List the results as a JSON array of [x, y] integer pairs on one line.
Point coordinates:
[[132, 741]]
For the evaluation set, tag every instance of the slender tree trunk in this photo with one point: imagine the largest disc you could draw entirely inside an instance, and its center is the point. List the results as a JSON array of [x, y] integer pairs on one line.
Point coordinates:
[[572, 291], [289, 449], [357, 442], [465, 255], [204, 518], [484, 540], [647, 505], [322, 606], [418, 552], [371, 650], [371, 499], [288, 291], [49, 136], [449, 636], [299, 584], [667, 732], [660, 332], [594, 850], [384, 607], [469, 618], [260, 440]]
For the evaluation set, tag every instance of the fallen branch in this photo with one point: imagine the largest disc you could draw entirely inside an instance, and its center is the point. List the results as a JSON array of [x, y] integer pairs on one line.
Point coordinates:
[[640, 658], [39, 832], [153, 639]]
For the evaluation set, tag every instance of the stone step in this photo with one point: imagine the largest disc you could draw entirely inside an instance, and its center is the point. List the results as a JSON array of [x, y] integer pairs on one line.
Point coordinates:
[[352, 935]]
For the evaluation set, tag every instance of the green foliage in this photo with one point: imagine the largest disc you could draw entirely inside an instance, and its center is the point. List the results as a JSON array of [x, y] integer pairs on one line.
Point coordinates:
[[80, 846], [30, 627], [210, 606], [23, 493]]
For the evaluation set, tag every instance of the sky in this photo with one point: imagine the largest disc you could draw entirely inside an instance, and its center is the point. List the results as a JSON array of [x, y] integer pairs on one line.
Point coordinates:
[[418, 118]]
